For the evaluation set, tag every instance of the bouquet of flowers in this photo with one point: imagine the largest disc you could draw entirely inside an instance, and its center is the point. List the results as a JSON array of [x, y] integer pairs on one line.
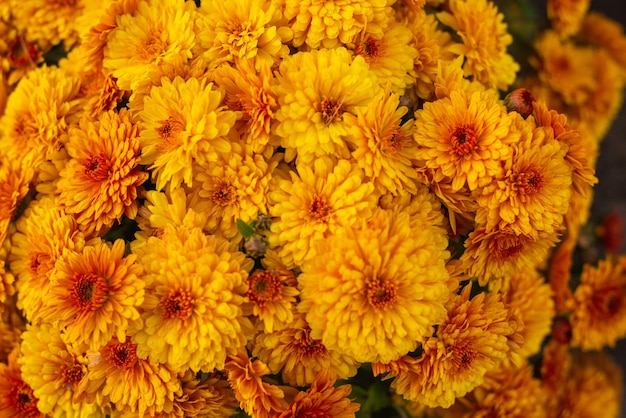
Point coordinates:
[[298, 208]]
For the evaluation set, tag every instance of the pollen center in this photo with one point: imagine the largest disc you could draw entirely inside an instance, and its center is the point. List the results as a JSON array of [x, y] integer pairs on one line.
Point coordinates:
[[264, 286], [381, 293], [331, 110], [462, 356], [224, 194], [153, 46], [319, 209], [25, 401], [169, 132], [178, 304], [528, 182], [307, 347], [370, 50], [463, 140], [123, 355], [507, 246], [98, 167], [607, 302], [73, 374], [392, 141], [90, 292]]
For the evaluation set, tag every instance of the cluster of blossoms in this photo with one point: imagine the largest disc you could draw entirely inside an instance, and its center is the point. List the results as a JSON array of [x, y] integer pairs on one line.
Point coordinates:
[[254, 206]]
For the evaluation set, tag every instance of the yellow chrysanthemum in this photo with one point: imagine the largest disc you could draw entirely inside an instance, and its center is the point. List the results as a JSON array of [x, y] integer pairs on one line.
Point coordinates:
[[501, 253], [323, 399], [116, 374], [94, 295], [273, 298], [99, 183], [44, 232], [329, 24], [14, 185], [240, 30], [598, 309], [16, 397], [157, 32], [235, 186], [485, 39], [533, 192], [508, 392], [375, 290], [567, 16], [183, 122], [37, 115], [384, 148], [314, 204], [251, 92], [464, 137], [565, 67], [47, 22], [195, 289], [257, 398], [471, 341], [298, 357], [390, 57], [54, 369], [315, 90]]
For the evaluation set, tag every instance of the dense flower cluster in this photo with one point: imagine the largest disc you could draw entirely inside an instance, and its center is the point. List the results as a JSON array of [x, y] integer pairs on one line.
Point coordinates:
[[217, 207]]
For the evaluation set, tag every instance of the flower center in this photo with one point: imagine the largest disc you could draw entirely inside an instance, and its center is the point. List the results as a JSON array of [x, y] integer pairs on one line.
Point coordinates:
[[98, 167], [331, 110], [462, 356], [370, 50], [24, 400], [381, 293], [73, 374], [178, 304], [90, 292], [607, 302], [393, 139], [264, 286], [528, 183], [22, 52], [224, 194], [123, 355], [169, 132], [153, 46], [40, 263], [307, 347], [507, 246], [318, 209], [464, 140]]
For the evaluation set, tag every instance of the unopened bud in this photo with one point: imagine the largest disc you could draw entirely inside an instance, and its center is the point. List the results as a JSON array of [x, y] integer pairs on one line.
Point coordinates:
[[520, 101]]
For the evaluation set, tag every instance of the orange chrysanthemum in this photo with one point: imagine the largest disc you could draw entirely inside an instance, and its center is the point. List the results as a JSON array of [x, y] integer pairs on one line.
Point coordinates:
[[99, 183], [95, 294], [14, 185], [464, 138], [17, 399], [273, 298]]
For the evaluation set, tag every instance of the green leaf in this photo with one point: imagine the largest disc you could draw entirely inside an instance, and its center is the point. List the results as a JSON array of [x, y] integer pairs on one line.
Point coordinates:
[[244, 229]]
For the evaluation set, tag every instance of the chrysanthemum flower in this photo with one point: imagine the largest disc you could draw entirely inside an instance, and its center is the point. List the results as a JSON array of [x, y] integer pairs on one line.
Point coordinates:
[[195, 289], [182, 122], [374, 290], [315, 90], [235, 186], [250, 91], [298, 357], [99, 183], [485, 39], [566, 16], [598, 310], [323, 399], [48, 22], [44, 232], [384, 147], [533, 192], [390, 57], [37, 115], [54, 369], [464, 137], [16, 397], [210, 396], [508, 392], [314, 204], [14, 185], [472, 340], [240, 30], [322, 24], [257, 398], [606, 34], [157, 31], [94, 295], [502, 252], [273, 298], [566, 67], [134, 384]]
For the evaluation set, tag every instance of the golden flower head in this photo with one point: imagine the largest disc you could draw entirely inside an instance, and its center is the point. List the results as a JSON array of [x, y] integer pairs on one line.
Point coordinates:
[[315, 89], [598, 308], [485, 39], [374, 290], [314, 204], [183, 122], [17, 399], [273, 298], [194, 293], [99, 183], [14, 186], [464, 137]]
